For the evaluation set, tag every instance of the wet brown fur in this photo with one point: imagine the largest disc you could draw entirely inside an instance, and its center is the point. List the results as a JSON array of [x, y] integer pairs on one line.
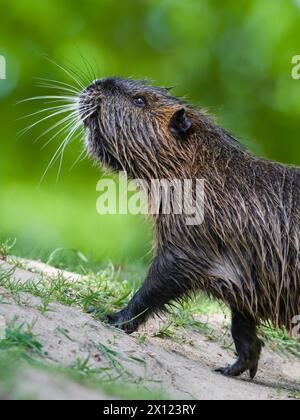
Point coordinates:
[[246, 252]]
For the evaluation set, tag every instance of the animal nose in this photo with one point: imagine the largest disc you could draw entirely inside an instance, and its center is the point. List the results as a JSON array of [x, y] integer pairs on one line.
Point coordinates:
[[99, 86], [97, 82], [91, 97], [92, 88]]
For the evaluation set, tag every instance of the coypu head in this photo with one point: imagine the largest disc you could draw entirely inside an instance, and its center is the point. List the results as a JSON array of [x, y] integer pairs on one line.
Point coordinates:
[[138, 128]]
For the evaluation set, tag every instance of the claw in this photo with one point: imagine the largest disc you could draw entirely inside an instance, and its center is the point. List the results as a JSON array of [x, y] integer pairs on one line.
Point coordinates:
[[253, 371], [119, 320], [238, 369]]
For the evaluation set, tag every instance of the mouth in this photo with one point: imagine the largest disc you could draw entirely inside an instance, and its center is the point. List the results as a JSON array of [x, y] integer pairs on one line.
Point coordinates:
[[88, 105], [87, 116], [88, 113]]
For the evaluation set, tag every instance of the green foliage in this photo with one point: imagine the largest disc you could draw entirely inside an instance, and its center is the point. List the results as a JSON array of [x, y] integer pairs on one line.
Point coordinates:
[[280, 340], [21, 349], [22, 339], [233, 58], [6, 247], [98, 292]]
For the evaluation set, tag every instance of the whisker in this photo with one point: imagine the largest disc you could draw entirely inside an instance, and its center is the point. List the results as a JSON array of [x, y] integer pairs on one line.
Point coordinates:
[[69, 118], [36, 98], [67, 105], [64, 145], [56, 101], [66, 142], [52, 161], [80, 158], [58, 88], [72, 116], [80, 73], [58, 82], [53, 108], [89, 74], [25, 130], [88, 65], [56, 154], [53, 101], [67, 72], [69, 122]]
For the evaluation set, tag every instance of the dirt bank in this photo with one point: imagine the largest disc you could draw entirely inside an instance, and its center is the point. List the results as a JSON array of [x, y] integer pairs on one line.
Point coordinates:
[[181, 369]]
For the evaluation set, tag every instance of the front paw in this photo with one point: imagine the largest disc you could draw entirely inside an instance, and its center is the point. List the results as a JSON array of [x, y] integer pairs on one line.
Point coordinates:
[[122, 321]]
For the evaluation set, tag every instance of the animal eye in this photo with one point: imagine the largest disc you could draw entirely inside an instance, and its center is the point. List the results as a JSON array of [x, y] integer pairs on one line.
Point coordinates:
[[139, 101]]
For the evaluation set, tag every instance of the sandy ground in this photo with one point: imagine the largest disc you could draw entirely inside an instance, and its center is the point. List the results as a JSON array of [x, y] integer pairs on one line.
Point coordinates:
[[182, 369]]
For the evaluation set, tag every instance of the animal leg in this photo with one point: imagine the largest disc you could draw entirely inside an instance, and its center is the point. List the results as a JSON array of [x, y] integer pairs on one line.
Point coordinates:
[[248, 346], [159, 288]]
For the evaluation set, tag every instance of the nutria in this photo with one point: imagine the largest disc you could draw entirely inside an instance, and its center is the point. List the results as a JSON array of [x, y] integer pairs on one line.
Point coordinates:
[[246, 252]]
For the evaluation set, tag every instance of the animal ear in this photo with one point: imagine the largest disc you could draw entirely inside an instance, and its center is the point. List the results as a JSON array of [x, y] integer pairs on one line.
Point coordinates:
[[180, 122]]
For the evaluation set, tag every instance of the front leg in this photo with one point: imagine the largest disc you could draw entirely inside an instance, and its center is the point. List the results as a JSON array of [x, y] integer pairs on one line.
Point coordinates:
[[136, 312], [160, 287]]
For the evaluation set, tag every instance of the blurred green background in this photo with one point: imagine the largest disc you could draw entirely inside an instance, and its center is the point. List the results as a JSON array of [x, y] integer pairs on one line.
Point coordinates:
[[230, 57]]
